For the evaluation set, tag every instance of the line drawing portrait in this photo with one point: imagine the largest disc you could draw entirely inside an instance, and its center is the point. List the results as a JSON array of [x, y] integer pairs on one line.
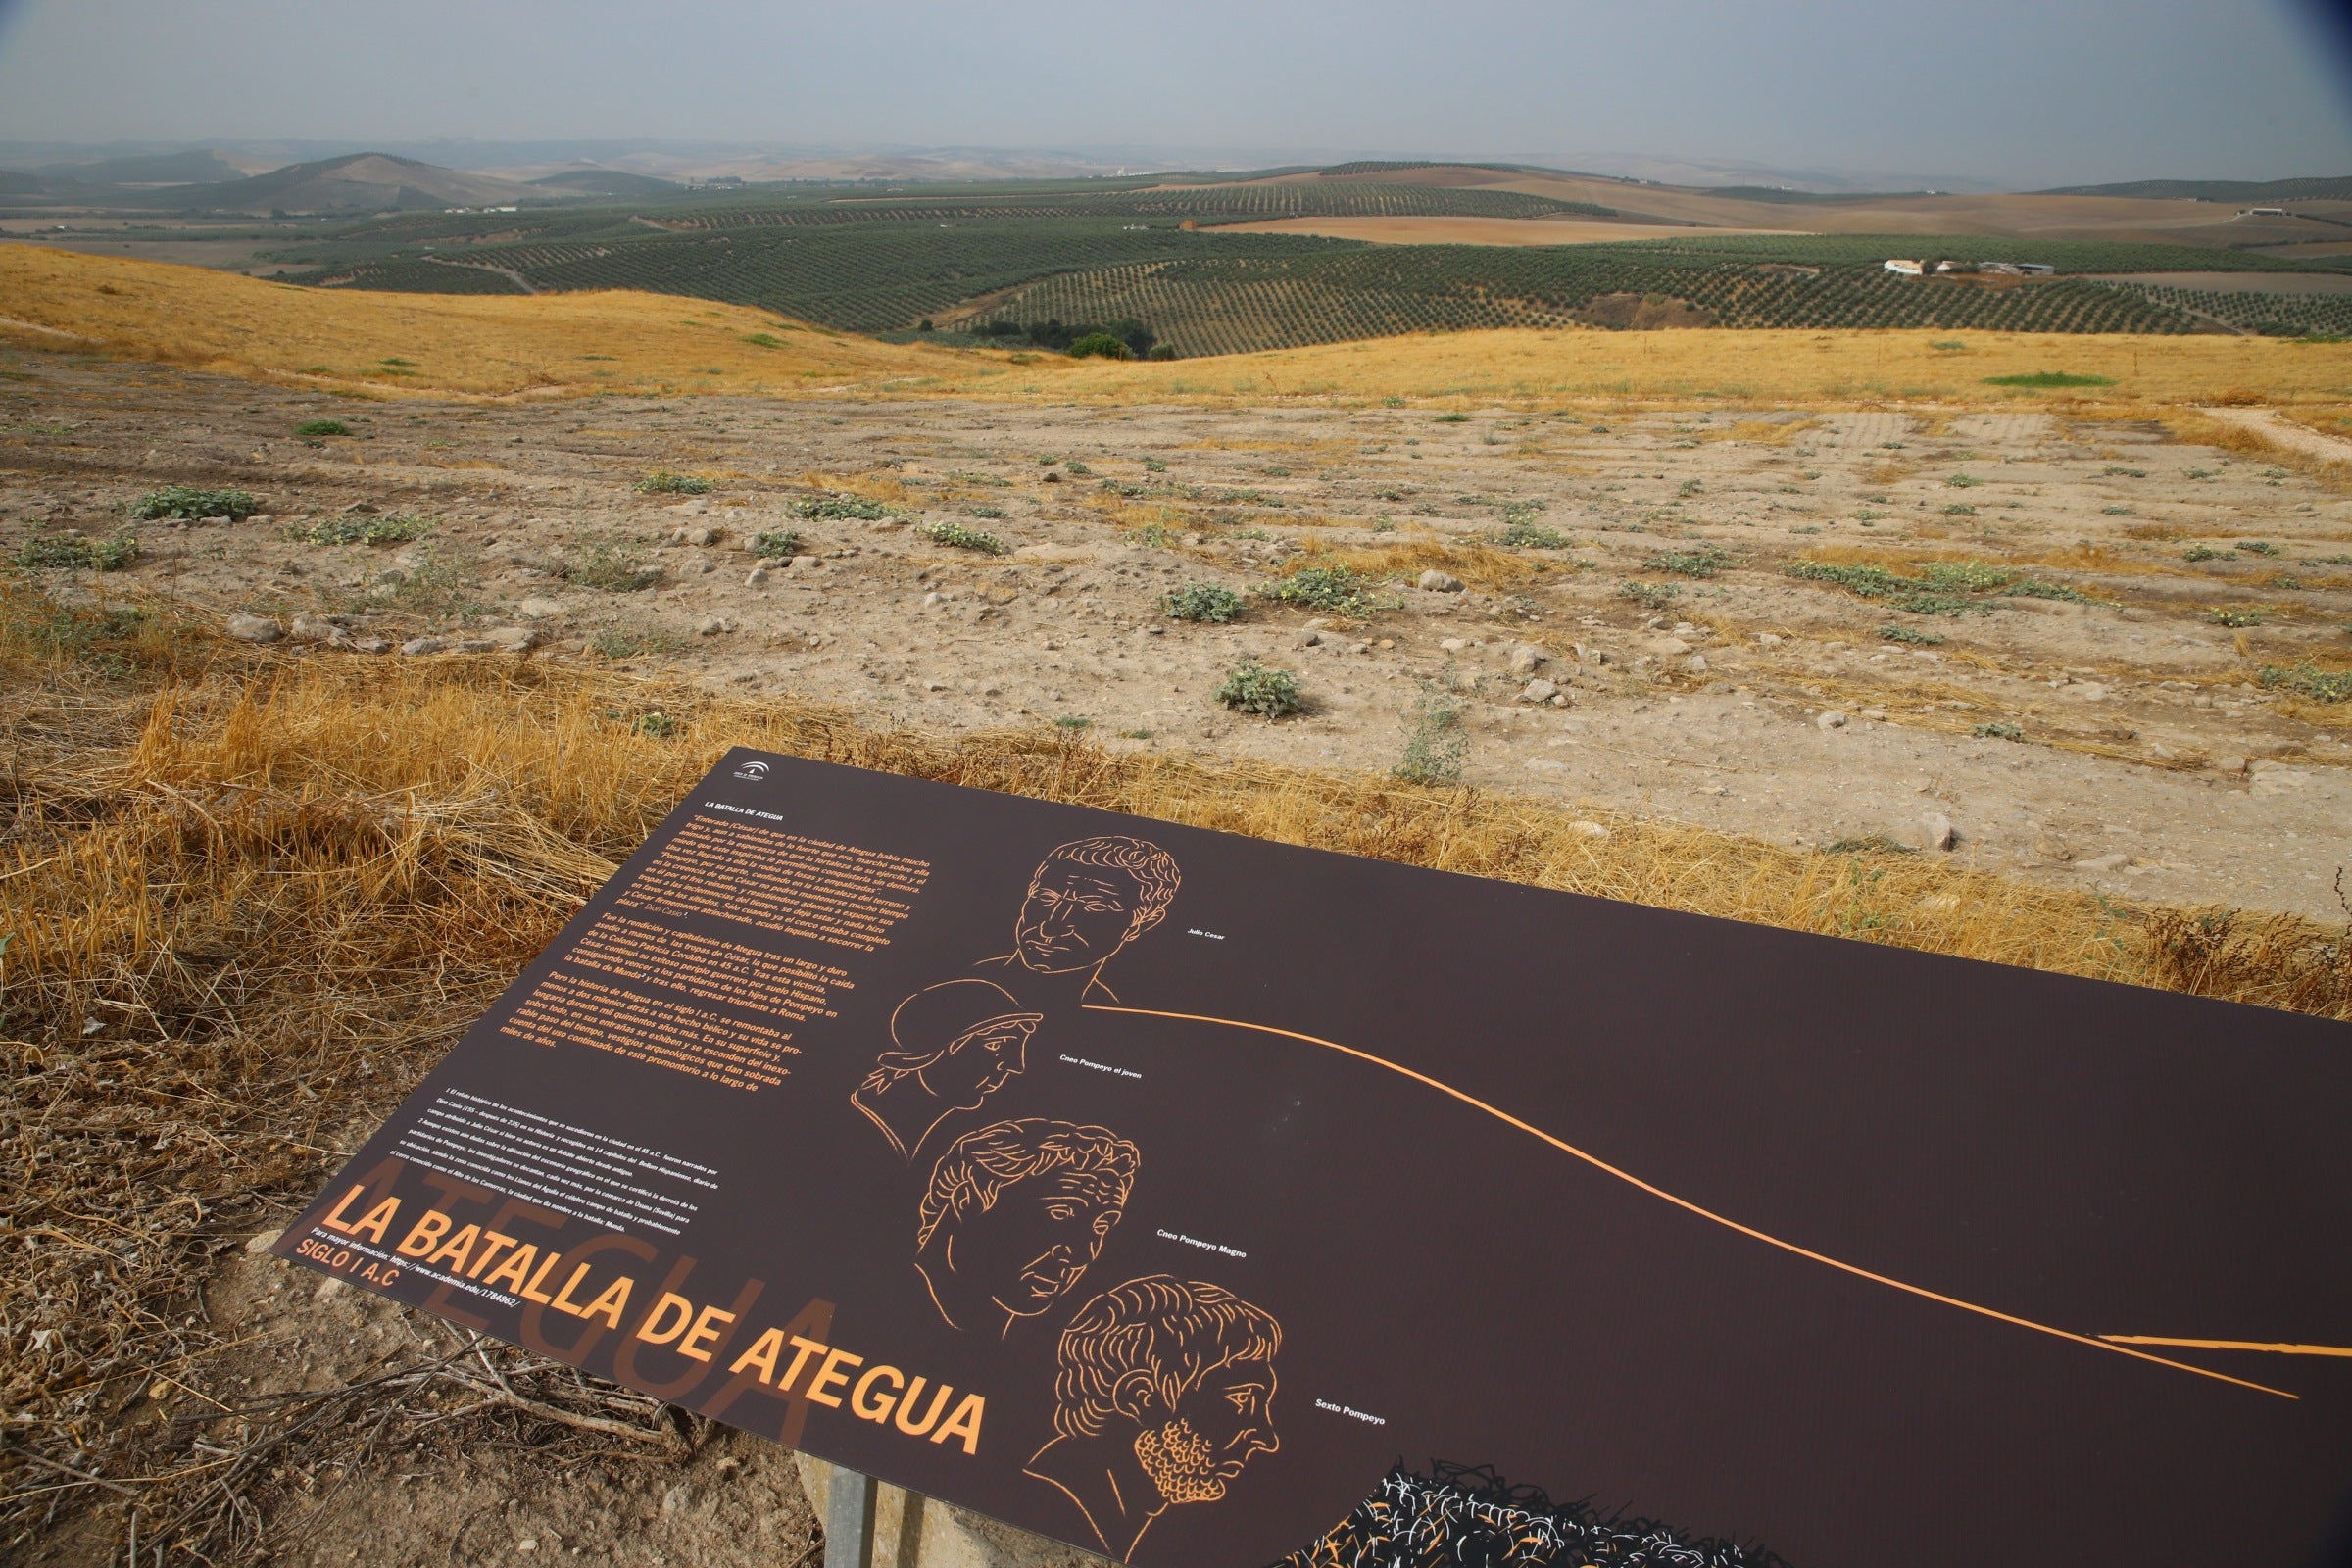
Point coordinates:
[[1085, 900], [1014, 1215], [1163, 1392], [957, 1042]]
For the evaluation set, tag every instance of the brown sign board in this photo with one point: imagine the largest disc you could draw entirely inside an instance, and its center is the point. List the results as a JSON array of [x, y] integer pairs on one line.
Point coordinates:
[[1158, 1190]]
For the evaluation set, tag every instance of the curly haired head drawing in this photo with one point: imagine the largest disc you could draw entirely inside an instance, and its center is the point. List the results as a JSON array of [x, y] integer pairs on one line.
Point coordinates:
[[1014, 1214], [1090, 897], [1163, 1392]]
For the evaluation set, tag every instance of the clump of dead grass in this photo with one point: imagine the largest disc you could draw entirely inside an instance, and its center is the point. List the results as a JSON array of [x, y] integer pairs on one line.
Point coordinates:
[[251, 897]]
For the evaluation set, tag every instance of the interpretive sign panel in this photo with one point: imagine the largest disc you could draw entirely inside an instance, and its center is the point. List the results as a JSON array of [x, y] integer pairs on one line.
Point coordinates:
[[1158, 1190]]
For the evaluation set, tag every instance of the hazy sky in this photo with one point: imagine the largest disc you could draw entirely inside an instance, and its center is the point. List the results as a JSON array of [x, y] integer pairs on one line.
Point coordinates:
[[2023, 92]]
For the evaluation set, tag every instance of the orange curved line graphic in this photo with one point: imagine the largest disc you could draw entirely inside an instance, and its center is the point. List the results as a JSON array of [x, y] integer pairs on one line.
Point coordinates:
[[2344, 1350], [1750, 1231]]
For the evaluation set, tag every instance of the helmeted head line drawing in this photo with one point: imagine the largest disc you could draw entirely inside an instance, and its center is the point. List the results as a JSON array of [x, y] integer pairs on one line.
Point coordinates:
[[957, 1042]]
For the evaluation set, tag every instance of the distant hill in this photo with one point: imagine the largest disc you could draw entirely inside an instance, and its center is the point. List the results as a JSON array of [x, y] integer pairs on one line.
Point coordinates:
[[607, 182], [2317, 190], [202, 167], [366, 182], [1794, 198]]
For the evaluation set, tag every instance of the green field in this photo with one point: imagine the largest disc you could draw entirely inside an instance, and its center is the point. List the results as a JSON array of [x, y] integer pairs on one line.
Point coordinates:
[[887, 260]]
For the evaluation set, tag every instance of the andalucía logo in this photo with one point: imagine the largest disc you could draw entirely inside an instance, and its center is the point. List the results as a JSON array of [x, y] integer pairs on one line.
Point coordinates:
[[755, 770]]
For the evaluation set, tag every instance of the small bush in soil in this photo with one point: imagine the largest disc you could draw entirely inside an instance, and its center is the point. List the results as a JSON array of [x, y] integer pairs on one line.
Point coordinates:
[[612, 564], [1705, 561], [1201, 601], [1435, 740], [1648, 595], [191, 502], [2309, 680], [2236, 618], [836, 509], [783, 542], [959, 537], [314, 430], [1904, 635], [1334, 590], [1251, 687], [393, 528], [78, 550], [663, 482]]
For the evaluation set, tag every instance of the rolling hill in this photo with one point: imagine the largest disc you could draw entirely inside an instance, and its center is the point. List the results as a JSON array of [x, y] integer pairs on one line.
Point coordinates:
[[364, 182]]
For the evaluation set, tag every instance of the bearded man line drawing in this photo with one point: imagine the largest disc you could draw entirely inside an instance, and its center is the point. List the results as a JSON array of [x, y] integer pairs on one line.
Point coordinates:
[[1087, 900], [1014, 1215], [957, 1042], [1164, 1391]]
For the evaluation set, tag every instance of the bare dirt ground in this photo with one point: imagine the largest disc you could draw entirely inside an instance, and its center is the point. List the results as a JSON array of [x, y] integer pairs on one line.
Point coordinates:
[[2152, 757], [2120, 740]]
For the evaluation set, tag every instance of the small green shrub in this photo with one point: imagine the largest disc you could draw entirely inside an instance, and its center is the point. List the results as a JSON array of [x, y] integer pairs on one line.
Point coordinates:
[[2118, 512], [1073, 722], [1154, 465], [1202, 602], [1435, 740], [956, 536], [983, 509], [1334, 590], [2258, 547], [1964, 481], [2049, 378], [1100, 345], [1251, 687], [2112, 472], [2199, 552], [1521, 534], [614, 642], [393, 528], [191, 502], [663, 482], [1077, 468], [1958, 509], [2033, 588], [78, 550], [782, 543], [612, 566], [1650, 595], [2235, 618], [2309, 680], [1998, 732], [1904, 635], [1154, 536], [840, 508], [316, 429], [1453, 419], [1705, 561]]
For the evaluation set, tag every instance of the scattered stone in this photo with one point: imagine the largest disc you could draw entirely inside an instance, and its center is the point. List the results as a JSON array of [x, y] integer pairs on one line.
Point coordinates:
[[707, 534], [1538, 691], [2232, 764], [1768, 639], [807, 563], [1438, 582], [262, 1242], [1696, 664], [1831, 720], [310, 628], [1527, 659], [935, 685], [695, 508], [253, 628], [1588, 830], [678, 1498], [474, 645], [1667, 647], [1454, 645], [2103, 863], [514, 639], [757, 577], [1874, 715], [711, 627], [418, 647], [368, 645], [1308, 637], [1937, 828]]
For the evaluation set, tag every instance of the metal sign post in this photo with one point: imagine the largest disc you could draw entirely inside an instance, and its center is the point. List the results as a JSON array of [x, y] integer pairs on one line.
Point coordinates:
[[850, 1520]]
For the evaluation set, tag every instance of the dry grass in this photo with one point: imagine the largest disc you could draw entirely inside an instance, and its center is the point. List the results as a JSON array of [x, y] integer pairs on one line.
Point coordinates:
[[1481, 566], [280, 886], [502, 346]]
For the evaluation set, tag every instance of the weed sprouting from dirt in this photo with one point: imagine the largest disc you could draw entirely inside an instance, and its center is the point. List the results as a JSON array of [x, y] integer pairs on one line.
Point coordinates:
[[1705, 561], [1251, 687], [955, 536], [1435, 740], [663, 482], [1202, 602], [2235, 618], [1906, 634], [1334, 590], [1648, 595], [192, 502], [844, 507], [393, 528], [2310, 681], [776, 543], [316, 429], [612, 564], [46, 550]]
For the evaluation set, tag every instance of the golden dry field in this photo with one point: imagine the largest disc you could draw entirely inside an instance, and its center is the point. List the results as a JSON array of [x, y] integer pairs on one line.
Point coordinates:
[[590, 343]]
